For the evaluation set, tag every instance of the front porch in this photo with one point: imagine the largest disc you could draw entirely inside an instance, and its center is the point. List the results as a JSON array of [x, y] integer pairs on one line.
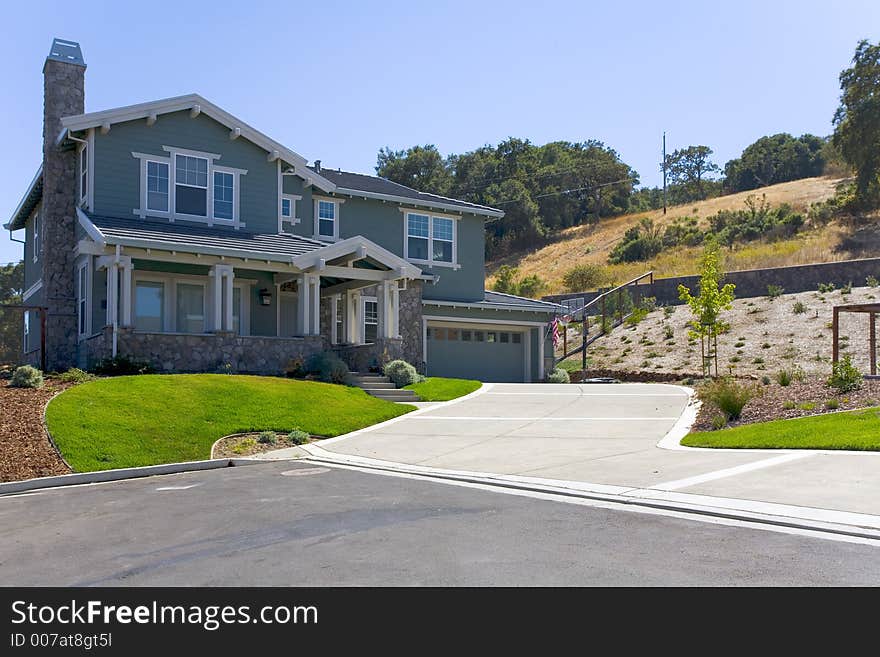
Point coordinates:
[[187, 310]]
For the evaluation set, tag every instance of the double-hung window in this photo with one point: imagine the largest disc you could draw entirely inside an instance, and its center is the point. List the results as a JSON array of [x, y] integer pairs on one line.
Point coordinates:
[[37, 236], [430, 239], [190, 308], [83, 298], [224, 188], [149, 306], [371, 319], [191, 185], [84, 172], [326, 219], [157, 186]]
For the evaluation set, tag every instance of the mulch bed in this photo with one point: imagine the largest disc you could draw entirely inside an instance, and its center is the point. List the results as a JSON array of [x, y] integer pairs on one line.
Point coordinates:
[[768, 405], [25, 448], [223, 449]]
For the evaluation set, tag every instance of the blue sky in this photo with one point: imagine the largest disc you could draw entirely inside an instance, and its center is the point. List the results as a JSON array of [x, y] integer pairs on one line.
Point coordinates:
[[336, 81]]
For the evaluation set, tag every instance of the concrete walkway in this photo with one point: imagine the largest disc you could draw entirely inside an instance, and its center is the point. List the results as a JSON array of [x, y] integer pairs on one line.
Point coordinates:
[[607, 434]]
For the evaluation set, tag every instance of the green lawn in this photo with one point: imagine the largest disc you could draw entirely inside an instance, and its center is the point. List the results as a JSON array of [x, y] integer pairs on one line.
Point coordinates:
[[131, 421], [436, 388], [850, 430]]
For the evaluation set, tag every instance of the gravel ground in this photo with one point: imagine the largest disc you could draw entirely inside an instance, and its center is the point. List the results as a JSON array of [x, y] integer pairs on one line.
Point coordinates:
[[765, 336], [224, 447], [25, 448], [810, 397]]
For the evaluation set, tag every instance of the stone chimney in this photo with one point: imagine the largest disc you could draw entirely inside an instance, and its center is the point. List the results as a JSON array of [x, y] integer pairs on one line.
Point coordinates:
[[317, 166], [63, 95]]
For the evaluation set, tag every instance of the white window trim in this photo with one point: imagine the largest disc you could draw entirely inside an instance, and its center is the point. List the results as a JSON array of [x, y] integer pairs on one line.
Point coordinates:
[[337, 206], [293, 220], [37, 243], [364, 301], [430, 262], [172, 214], [87, 325], [83, 192], [169, 304], [87, 195]]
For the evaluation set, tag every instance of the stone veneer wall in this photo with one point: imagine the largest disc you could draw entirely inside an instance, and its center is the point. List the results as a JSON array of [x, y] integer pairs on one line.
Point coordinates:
[[168, 352], [64, 95], [411, 325]]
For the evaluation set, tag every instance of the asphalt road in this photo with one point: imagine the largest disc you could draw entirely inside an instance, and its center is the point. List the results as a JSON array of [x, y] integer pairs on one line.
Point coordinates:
[[300, 524]]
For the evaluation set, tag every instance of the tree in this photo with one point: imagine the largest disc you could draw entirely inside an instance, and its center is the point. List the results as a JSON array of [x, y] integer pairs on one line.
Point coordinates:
[[689, 167], [528, 286], [774, 159], [419, 167], [707, 306], [857, 122], [11, 285]]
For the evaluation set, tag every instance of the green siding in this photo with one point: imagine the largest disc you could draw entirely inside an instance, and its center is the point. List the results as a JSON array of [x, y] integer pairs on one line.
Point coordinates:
[[117, 172]]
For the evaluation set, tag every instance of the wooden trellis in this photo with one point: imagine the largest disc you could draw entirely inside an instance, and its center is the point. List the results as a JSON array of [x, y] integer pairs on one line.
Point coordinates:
[[872, 309]]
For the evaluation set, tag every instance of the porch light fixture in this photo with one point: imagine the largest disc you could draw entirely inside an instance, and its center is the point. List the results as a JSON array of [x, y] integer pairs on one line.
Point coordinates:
[[265, 297]]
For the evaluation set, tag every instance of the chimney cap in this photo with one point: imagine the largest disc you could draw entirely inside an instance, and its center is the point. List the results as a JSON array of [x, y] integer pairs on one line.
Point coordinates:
[[317, 166], [66, 51]]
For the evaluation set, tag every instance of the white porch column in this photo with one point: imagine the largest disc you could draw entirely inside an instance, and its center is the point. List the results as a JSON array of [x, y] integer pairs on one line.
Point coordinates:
[[217, 282], [316, 305], [302, 305], [395, 310], [382, 299], [541, 330], [127, 266], [352, 316], [334, 318], [112, 293], [228, 278]]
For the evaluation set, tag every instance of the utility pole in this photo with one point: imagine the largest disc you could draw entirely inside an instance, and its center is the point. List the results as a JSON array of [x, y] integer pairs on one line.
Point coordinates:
[[664, 172]]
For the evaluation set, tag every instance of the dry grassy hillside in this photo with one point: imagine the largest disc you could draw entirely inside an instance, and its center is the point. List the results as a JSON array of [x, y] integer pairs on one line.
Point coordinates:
[[592, 244]]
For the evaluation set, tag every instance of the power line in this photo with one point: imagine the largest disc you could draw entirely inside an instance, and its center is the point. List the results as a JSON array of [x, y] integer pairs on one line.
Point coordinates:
[[569, 191]]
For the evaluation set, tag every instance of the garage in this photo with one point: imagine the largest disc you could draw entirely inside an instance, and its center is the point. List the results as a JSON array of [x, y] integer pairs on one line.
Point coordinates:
[[485, 353]]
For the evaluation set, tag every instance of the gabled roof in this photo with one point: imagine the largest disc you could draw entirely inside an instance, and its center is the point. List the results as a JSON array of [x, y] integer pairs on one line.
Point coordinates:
[[197, 104], [27, 203], [360, 184]]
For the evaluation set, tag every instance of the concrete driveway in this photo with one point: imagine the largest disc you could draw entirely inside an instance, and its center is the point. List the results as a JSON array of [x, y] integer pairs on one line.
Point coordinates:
[[607, 435]]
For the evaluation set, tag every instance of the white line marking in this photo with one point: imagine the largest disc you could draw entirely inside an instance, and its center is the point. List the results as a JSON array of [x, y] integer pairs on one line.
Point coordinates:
[[535, 419], [178, 487], [731, 472], [592, 394]]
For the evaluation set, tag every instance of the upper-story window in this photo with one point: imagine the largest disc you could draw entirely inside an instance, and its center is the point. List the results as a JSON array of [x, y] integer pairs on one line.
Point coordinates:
[[157, 186], [189, 185], [287, 213], [223, 195], [430, 239], [37, 235], [327, 219], [84, 172]]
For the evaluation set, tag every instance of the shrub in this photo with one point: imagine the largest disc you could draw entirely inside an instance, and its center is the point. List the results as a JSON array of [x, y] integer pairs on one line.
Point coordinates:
[[243, 445], [668, 332], [766, 345], [558, 375], [832, 404], [872, 281], [298, 437], [719, 421], [807, 406], [26, 377], [785, 376], [75, 375], [846, 289], [295, 367], [636, 316], [267, 438], [402, 373], [765, 380], [122, 366], [728, 396], [329, 368], [826, 287], [586, 277], [845, 377], [799, 308], [639, 243], [788, 405], [774, 291]]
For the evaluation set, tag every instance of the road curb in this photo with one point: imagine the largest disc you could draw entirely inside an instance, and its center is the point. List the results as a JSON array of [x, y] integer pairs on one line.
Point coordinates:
[[120, 474], [771, 514]]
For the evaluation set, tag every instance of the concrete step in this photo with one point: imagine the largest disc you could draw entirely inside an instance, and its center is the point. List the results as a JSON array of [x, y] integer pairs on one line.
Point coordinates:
[[378, 385], [370, 378], [394, 395]]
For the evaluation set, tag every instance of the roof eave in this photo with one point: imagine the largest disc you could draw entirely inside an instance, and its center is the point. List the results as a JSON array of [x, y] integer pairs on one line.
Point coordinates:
[[15, 220], [406, 200]]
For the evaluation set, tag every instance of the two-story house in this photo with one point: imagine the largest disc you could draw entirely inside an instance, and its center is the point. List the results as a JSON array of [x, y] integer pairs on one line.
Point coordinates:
[[174, 232]]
